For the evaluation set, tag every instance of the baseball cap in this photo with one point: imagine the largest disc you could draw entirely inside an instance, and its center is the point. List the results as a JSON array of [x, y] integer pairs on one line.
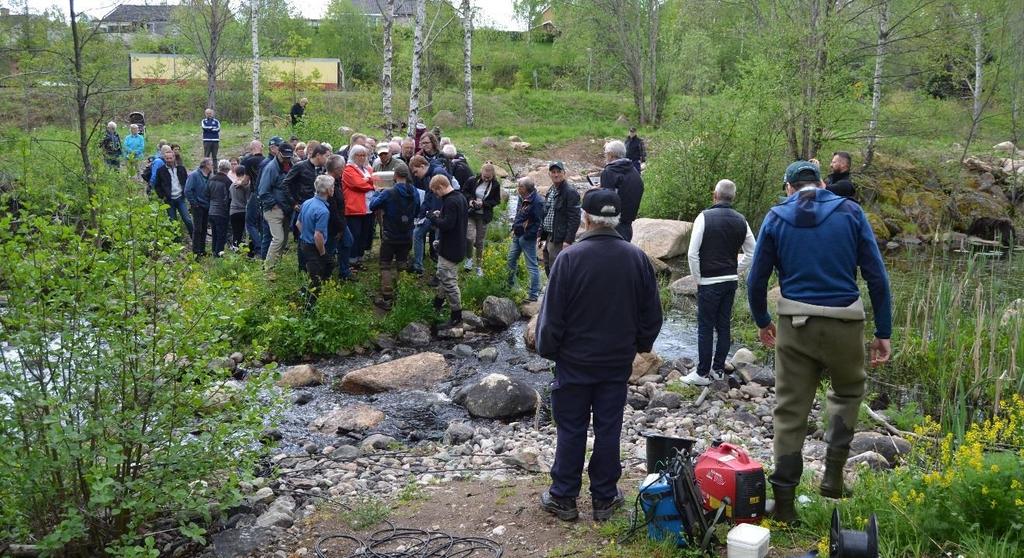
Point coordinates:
[[556, 165], [802, 171], [383, 148], [276, 140], [286, 149], [602, 202]]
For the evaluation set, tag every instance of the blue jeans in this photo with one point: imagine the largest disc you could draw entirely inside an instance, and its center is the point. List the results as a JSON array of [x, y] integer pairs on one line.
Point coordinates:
[[528, 248], [178, 206], [219, 224], [572, 407], [343, 249], [254, 226], [714, 315], [419, 237]]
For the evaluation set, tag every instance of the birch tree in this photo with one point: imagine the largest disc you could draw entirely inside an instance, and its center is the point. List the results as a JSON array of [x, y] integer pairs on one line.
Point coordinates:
[[467, 56], [254, 17], [417, 56], [389, 57], [876, 87]]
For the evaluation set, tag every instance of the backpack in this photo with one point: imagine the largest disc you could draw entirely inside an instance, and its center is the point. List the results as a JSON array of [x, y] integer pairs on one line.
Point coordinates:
[[147, 170], [407, 215]]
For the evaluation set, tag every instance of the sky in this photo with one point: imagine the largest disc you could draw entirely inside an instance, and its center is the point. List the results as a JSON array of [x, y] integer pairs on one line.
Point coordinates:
[[493, 13]]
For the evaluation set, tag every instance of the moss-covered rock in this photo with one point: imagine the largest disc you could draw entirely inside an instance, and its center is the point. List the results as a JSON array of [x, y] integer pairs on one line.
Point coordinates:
[[878, 226], [967, 206]]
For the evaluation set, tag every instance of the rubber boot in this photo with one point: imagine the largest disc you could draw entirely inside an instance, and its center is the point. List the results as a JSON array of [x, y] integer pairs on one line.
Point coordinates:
[[784, 510], [438, 303], [832, 482], [387, 282], [454, 321]]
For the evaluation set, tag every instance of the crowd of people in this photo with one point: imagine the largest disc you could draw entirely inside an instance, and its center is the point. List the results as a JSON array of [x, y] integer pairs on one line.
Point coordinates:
[[601, 306]]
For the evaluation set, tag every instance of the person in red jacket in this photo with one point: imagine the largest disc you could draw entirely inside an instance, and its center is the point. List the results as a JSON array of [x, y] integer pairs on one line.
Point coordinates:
[[357, 187]]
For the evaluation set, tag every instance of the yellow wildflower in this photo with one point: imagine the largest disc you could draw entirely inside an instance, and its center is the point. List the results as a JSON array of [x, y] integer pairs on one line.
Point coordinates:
[[984, 490]]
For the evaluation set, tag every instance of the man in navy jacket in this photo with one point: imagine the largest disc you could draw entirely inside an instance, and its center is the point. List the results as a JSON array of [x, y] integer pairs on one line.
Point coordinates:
[[525, 229], [601, 308], [211, 135]]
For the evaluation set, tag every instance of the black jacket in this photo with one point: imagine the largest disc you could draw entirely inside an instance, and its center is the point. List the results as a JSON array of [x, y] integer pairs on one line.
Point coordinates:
[[336, 205], [567, 215], [299, 181], [725, 230], [491, 199], [163, 182], [601, 307], [452, 224], [461, 171], [635, 149], [839, 183], [622, 176], [220, 194], [252, 164], [297, 111]]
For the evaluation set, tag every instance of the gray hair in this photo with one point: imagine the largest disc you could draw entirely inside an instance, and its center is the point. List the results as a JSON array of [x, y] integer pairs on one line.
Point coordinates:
[[334, 162], [528, 183], [134, 127], [166, 149], [255, 146], [111, 125], [224, 166], [615, 148], [206, 162], [394, 147], [601, 221], [726, 190], [356, 150], [449, 151], [327, 145], [445, 141], [324, 184]]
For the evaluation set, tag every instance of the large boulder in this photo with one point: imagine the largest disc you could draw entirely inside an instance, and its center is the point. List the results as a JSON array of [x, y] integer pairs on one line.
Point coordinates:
[[662, 238], [889, 447], [497, 396], [966, 207], [220, 394], [419, 371], [644, 364], [350, 418], [530, 334], [1006, 146], [415, 334], [686, 286], [302, 375], [499, 312]]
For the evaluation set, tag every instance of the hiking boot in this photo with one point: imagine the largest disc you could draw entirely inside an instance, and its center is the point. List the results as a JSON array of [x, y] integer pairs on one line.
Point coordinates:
[[383, 303], [562, 508], [784, 508], [603, 509], [695, 379], [832, 482], [438, 303], [433, 282], [454, 321]]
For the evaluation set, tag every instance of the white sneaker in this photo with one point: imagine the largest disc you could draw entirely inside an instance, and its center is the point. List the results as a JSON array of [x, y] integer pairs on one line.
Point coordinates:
[[469, 264], [695, 379], [479, 272]]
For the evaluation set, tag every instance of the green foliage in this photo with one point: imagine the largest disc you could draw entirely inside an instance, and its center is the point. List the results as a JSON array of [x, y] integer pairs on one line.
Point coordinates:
[[495, 279], [413, 303], [366, 513], [106, 400]]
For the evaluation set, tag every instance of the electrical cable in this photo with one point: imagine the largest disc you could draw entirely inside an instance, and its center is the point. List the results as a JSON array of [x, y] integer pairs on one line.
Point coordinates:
[[404, 542]]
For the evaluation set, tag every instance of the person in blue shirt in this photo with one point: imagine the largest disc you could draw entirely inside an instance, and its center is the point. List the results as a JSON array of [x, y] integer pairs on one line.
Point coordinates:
[[313, 222], [134, 147], [211, 135], [817, 242], [525, 228], [197, 192], [398, 206]]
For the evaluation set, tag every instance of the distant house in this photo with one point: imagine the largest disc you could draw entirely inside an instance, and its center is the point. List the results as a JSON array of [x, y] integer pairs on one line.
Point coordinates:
[[405, 10], [546, 23], [135, 18]]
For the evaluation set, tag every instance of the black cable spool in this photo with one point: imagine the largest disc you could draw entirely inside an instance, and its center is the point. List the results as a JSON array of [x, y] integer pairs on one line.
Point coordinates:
[[847, 543]]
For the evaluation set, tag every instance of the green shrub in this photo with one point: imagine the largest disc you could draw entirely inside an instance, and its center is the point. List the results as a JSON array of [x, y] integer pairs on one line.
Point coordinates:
[[107, 405]]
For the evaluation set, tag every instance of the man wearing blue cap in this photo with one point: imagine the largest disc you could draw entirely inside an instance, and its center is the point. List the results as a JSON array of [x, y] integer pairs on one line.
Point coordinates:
[[601, 308], [817, 241]]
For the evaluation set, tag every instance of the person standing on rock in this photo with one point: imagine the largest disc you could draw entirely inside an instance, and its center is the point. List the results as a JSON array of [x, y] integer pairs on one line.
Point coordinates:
[[718, 234], [450, 221], [525, 230], [838, 182], [561, 216], [398, 206], [620, 175], [817, 241], [601, 308]]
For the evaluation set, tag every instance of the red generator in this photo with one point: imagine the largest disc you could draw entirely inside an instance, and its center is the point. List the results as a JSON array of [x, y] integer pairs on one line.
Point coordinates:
[[728, 476]]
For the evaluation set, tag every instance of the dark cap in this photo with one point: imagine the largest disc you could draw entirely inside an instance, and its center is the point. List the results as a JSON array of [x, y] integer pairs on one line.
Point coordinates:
[[602, 202], [802, 171], [556, 165], [276, 140], [286, 149]]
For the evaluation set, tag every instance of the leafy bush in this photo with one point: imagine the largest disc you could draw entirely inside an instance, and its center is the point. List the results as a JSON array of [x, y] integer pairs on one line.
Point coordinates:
[[114, 425]]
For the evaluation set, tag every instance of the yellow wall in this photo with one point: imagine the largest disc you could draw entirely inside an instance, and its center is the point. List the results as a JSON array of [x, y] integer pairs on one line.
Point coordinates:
[[164, 68]]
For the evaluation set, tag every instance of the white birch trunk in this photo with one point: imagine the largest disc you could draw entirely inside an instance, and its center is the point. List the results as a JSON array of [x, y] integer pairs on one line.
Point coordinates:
[[467, 55], [979, 59], [417, 55], [254, 14], [876, 89], [385, 77]]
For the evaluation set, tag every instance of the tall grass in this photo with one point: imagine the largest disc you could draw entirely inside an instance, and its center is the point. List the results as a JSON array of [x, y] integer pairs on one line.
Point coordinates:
[[951, 343]]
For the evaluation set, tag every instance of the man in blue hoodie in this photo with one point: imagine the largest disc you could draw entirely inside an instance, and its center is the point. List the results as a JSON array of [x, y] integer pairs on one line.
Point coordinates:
[[398, 206], [525, 228], [211, 135], [817, 241]]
